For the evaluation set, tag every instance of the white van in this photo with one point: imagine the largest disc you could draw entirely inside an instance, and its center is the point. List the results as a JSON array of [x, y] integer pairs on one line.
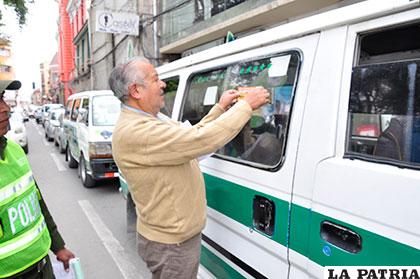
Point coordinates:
[[89, 122], [328, 174]]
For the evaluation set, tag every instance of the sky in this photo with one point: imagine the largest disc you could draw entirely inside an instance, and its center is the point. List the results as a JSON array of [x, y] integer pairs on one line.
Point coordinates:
[[35, 43]]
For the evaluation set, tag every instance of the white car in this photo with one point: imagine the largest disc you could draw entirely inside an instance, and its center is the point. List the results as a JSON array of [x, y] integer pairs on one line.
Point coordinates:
[[52, 122], [46, 109], [17, 131]]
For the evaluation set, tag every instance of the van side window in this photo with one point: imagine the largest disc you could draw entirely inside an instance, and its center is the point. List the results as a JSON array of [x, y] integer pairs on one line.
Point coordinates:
[[84, 111], [68, 110], [384, 109], [170, 93], [262, 141], [75, 110]]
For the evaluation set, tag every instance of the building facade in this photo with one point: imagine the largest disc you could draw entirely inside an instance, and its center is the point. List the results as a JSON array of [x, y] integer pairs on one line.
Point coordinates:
[[6, 68], [78, 16], [45, 85], [54, 80], [168, 30], [192, 26], [36, 97]]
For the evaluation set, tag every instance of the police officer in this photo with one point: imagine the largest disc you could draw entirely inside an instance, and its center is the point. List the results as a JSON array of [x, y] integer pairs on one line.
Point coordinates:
[[27, 230]]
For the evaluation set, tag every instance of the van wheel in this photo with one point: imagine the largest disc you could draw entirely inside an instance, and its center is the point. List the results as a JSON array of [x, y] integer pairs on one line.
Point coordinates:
[[26, 148], [87, 179], [71, 161]]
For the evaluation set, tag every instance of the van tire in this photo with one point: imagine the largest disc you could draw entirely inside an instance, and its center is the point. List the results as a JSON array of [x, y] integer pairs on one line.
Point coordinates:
[[26, 148], [87, 180], [72, 163]]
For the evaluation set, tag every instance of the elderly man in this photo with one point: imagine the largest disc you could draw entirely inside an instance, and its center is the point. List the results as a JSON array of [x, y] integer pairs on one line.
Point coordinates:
[[27, 230], [157, 157]]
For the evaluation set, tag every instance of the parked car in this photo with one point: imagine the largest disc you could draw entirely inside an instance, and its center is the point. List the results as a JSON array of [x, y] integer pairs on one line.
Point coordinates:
[[89, 122], [31, 110], [52, 122], [59, 135], [46, 109], [38, 115], [17, 131]]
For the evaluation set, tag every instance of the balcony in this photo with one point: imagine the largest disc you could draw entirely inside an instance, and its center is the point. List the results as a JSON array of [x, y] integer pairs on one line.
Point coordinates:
[[201, 21]]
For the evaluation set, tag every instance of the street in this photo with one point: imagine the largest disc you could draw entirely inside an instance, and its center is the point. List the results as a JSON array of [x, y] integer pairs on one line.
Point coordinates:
[[91, 221]]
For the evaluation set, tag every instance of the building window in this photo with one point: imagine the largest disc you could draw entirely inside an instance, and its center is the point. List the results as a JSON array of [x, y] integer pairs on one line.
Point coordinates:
[[384, 107], [83, 55], [219, 6], [78, 59]]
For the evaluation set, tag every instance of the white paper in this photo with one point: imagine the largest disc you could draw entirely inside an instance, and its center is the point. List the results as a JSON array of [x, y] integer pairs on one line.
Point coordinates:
[[74, 272], [279, 66], [60, 273], [187, 124], [210, 97]]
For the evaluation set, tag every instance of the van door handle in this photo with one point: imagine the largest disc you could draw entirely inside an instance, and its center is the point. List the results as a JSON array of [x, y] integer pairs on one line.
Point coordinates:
[[341, 237]]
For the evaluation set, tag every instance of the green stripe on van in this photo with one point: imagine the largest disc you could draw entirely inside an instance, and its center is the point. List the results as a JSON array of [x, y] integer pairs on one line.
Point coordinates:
[[235, 201], [217, 266], [376, 249]]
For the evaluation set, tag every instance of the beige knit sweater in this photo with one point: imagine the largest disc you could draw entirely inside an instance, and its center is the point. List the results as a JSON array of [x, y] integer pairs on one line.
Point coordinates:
[[157, 159]]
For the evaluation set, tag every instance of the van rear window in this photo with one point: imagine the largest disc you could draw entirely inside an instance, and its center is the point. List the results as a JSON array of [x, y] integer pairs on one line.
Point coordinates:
[[105, 110]]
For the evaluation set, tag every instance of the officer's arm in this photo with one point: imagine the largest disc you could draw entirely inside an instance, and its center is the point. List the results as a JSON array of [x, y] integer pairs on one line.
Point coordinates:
[[57, 242]]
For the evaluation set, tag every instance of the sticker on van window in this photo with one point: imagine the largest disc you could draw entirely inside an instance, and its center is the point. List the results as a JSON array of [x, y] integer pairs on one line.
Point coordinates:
[[279, 66], [210, 97], [106, 134]]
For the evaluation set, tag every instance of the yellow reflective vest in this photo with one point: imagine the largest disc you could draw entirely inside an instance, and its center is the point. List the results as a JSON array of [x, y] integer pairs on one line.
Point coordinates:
[[24, 237]]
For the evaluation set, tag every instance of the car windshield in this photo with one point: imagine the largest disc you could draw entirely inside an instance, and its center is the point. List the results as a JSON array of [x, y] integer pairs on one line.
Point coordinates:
[[55, 114], [106, 110], [53, 106]]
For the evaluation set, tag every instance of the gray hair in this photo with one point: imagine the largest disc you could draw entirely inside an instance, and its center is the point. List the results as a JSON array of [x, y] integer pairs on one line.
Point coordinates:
[[124, 75]]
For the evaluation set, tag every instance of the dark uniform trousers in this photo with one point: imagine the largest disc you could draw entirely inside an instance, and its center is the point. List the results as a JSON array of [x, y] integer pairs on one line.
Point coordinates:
[[41, 270]]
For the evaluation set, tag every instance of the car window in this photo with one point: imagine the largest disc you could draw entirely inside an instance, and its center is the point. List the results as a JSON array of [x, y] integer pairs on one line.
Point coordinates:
[[262, 141], [384, 107], [105, 110], [170, 93], [54, 115], [84, 111], [68, 109]]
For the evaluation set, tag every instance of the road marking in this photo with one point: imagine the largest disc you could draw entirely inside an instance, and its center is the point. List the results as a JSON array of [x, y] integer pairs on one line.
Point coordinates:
[[37, 129], [58, 163], [110, 242]]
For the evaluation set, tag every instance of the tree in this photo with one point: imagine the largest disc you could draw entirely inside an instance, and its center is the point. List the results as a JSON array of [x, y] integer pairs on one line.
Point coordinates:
[[20, 9]]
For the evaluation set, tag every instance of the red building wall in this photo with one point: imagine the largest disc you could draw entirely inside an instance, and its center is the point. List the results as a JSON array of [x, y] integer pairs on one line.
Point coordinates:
[[65, 49], [80, 18]]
